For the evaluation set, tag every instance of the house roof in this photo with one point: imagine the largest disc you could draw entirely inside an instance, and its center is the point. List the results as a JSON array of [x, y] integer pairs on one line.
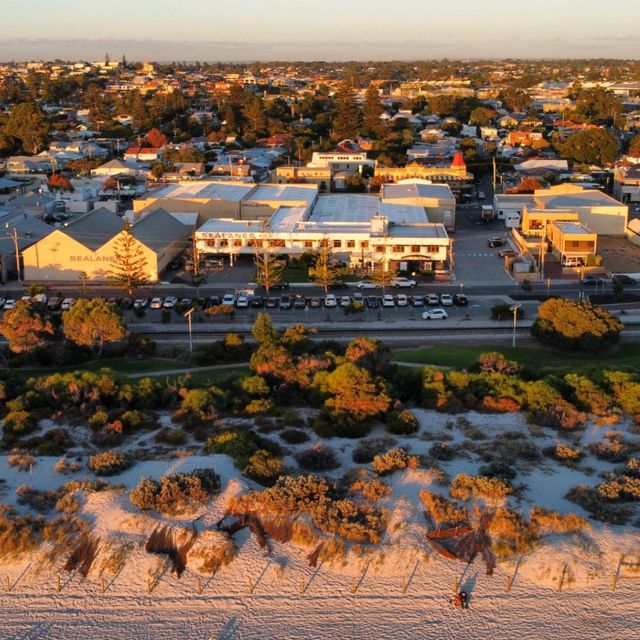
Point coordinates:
[[158, 229], [416, 189], [94, 228], [586, 198]]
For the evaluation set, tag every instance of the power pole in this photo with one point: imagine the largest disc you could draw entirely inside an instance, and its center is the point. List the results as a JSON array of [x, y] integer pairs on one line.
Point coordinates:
[[14, 236], [494, 174]]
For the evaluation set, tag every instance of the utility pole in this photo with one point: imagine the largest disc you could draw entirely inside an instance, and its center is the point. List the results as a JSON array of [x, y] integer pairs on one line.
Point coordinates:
[[494, 174], [514, 308], [188, 317], [14, 236]]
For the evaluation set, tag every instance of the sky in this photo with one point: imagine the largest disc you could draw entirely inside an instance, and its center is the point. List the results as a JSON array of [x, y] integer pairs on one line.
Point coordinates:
[[249, 30]]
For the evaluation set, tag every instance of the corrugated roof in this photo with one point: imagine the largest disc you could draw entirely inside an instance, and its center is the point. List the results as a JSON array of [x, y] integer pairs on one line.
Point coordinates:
[[95, 228], [158, 229]]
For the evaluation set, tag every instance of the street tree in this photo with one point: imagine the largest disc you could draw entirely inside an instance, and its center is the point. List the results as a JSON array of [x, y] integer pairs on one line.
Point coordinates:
[[28, 123], [634, 147], [592, 146], [324, 272], [58, 182], [263, 330], [383, 274], [25, 328], [93, 322], [268, 266], [129, 266]]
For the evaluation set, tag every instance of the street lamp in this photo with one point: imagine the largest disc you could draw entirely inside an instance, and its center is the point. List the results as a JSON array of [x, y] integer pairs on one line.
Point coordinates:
[[580, 279], [187, 315], [514, 309]]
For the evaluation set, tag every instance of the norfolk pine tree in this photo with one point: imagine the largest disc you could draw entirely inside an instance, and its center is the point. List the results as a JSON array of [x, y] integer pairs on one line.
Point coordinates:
[[383, 274], [268, 268], [324, 272], [346, 120], [372, 111], [129, 267]]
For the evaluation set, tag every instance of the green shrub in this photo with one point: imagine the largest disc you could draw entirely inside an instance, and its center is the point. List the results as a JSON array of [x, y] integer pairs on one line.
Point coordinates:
[[108, 463], [259, 405], [175, 437], [393, 460], [294, 436], [563, 451], [317, 457], [464, 487], [365, 451], [402, 422], [176, 494], [264, 467]]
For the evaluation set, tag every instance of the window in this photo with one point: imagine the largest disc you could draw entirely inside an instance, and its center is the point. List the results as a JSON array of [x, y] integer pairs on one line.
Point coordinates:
[[337, 244], [415, 248], [211, 243], [351, 244], [398, 248], [276, 243], [364, 244], [380, 248], [432, 248], [224, 243], [308, 244], [237, 243]]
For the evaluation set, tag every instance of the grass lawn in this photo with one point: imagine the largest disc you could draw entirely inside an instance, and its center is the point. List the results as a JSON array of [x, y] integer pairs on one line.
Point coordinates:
[[537, 359], [200, 378]]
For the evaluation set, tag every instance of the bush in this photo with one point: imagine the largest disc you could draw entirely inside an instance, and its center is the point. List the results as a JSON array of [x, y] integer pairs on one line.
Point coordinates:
[[369, 488], [175, 437], [318, 457], [443, 511], [264, 467], [294, 436], [393, 460], [259, 405], [16, 424], [41, 501], [495, 362], [402, 422], [599, 506], [23, 461], [237, 444], [492, 489], [365, 451], [565, 324], [108, 463], [565, 452], [176, 494], [500, 470], [442, 451]]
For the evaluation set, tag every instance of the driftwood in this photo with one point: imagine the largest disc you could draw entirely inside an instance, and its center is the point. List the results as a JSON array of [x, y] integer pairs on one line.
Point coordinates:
[[162, 541], [83, 555], [464, 542]]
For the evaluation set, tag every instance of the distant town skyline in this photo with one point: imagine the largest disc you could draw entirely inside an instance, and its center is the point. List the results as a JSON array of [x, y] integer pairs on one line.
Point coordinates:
[[250, 30]]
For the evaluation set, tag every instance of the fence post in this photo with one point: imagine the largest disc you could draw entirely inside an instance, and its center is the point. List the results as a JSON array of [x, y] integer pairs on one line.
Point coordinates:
[[455, 585], [616, 575], [404, 584], [508, 584], [564, 571], [354, 585], [303, 586], [8, 584], [59, 584], [103, 584], [251, 586]]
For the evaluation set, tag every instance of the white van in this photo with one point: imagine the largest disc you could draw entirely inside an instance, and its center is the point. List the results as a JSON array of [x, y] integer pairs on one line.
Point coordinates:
[[572, 262]]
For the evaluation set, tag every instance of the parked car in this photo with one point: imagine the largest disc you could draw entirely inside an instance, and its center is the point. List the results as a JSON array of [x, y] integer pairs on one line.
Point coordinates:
[[229, 299], [330, 300], [213, 301], [67, 303], [432, 298], [280, 286], [125, 304], [345, 301], [156, 303], [186, 303], [40, 298], [25, 298], [9, 303], [460, 300], [53, 303], [388, 300], [366, 284], [496, 242], [272, 303], [257, 302], [315, 302], [358, 297], [402, 300], [622, 278], [242, 301], [401, 283], [339, 284], [169, 302], [507, 253], [446, 300], [435, 314], [285, 302], [299, 301], [373, 302], [592, 281]]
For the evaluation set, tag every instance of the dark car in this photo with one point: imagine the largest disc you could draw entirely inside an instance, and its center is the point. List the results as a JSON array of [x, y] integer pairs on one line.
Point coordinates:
[[214, 301], [496, 242], [507, 253], [338, 285], [200, 303], [126, 304], [285, 302], [373, 302], [460, 299], [280, 286], [272, 303], [299, 301], [315, 302], [592, 281], [621, 278], [257, 301]]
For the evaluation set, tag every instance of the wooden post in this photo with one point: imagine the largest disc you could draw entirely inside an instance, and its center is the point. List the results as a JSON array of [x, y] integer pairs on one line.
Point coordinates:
[[103, 584], [8, 584], [59, 584], [564, 571], [149, 585], [508, 584], [303, 586], [251, 586], [616, 575], [455, 585], [200, 586], [354, 586], [404, 584]]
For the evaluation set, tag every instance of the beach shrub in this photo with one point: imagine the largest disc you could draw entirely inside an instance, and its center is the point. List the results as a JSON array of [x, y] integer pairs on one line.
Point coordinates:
[[294, 436], [599, 506], [564, 452], [443, 511], [366, 450], [465, 487], [264, 467], [402, 422], [176, 494], [172, 436], [108, 463], [317, 457], [21, 461], [394, 460]]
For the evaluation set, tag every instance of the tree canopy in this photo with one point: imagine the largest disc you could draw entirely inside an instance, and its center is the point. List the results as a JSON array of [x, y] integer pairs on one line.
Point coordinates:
[[92, 323], [28, 123], [25, 327], [129, 267], [592, 146]]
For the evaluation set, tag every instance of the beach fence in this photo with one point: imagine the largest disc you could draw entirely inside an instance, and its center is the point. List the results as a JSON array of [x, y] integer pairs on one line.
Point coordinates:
[[620, 575]]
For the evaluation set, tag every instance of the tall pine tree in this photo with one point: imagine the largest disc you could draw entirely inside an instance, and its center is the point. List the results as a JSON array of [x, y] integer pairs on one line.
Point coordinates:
[[372, 112], [346, 121], [129, 266]]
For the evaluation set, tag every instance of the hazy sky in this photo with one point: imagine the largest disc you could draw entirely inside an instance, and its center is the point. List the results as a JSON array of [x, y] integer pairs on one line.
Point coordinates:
[[319, 30]]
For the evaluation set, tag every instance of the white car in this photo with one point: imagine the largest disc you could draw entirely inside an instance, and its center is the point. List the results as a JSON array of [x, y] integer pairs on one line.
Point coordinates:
[[67, 303], [435, 314], [26, 298], [242, 301], [402, 300], [330, 300], [417, 301], [388, 300], [9, 303], [229, 299], [446, 300], [169, 302], [366, 284], [345, 301], [156, 303], [40, 298], [401, 283], [432, 298]]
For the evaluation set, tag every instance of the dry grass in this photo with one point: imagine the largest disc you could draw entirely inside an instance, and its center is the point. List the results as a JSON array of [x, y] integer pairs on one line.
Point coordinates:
[[23, 461], [211, 550], [491, 490], [443, 511]]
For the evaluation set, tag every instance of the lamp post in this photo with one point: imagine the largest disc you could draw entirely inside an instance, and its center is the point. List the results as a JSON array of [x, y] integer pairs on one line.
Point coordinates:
[[580, 284], [514, 309], [187, 315]]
